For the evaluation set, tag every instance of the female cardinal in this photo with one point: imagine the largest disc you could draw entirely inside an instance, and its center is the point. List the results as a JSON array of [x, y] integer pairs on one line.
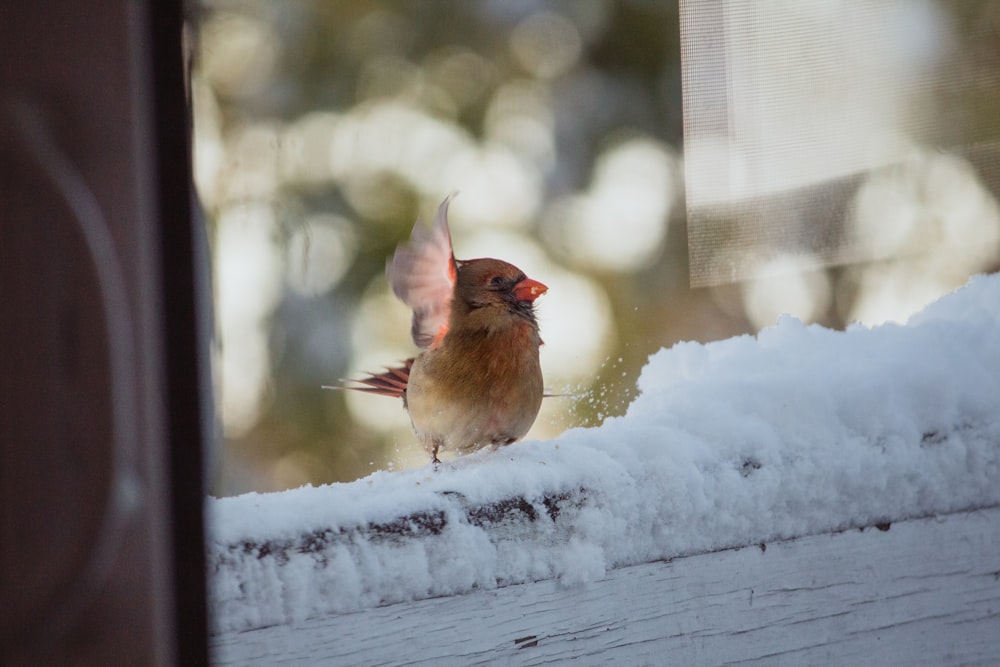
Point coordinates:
[[477, 381]]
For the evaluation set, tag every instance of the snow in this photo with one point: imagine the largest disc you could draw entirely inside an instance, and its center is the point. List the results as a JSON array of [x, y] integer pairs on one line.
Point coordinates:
[[797, 431]]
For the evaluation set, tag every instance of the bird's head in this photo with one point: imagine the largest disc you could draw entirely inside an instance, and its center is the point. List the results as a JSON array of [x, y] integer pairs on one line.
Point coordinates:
[[494, 283]]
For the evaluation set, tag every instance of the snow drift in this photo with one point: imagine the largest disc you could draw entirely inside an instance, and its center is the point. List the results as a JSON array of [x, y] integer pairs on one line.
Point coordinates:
[[799, 430]]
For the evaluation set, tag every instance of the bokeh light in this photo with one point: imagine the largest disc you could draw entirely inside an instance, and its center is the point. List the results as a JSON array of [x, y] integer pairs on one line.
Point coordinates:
[[324, 130], [620, 223], [247, 264], [787, 284], [931, 223]]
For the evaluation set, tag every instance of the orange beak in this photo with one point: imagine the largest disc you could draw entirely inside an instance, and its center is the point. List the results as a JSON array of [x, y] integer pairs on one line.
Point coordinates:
[[529, 290]]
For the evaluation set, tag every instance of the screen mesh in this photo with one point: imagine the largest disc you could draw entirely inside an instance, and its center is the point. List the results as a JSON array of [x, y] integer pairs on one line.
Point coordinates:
[[794, 112]]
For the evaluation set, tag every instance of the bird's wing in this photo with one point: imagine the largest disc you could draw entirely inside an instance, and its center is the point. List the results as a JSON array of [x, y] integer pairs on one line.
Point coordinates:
[[422, 274]]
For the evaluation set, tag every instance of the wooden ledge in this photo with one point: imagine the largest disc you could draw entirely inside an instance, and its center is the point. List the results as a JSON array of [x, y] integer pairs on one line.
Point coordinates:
[[923, 591]]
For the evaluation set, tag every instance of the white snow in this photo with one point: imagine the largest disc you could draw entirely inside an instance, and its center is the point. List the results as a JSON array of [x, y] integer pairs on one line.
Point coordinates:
[[797, 431]]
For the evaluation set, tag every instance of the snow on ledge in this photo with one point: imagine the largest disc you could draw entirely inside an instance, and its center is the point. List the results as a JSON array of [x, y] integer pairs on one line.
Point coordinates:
[[798, 431]]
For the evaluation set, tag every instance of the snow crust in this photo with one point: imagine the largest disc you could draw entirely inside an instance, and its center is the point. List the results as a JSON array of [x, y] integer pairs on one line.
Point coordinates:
[[796, 431]]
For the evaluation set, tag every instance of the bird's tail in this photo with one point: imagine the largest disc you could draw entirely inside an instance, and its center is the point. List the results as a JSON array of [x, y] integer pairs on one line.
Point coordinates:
[[390, 383]]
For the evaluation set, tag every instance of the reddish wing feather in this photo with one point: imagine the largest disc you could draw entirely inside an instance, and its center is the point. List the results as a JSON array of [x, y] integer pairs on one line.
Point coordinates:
[[422, 274]]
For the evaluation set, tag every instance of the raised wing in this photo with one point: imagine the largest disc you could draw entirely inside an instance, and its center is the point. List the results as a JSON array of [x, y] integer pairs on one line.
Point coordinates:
[[422, 274]]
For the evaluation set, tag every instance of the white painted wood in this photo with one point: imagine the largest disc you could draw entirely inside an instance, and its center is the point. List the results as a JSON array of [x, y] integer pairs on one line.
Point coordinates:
[[925, 592]]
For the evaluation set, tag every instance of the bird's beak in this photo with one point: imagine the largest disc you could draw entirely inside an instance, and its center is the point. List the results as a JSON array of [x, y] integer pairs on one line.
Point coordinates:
[[529, 290]]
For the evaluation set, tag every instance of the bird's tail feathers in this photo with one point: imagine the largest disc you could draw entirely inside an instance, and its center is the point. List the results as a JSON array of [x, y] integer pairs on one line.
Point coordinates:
[[392, 382]]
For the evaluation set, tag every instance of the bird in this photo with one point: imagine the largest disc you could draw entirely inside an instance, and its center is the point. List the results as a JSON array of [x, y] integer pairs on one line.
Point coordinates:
[[477, 381]]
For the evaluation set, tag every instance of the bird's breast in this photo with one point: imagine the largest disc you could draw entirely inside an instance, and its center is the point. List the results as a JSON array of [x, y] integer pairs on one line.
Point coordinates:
[[476, 390]]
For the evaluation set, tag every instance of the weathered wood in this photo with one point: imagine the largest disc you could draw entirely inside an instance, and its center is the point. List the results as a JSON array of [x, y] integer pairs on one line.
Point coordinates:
[[923, 591], [500, 517]]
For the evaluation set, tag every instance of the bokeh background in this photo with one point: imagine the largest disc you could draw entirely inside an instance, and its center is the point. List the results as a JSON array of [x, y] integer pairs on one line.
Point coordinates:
[[324, 129]]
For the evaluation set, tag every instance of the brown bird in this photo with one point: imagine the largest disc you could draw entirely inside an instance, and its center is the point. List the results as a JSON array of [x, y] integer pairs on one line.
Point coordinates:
[[477, 382]]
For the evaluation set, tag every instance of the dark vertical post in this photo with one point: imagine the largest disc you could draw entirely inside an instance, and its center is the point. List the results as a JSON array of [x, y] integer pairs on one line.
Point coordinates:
[[103, 340], [187, 313]]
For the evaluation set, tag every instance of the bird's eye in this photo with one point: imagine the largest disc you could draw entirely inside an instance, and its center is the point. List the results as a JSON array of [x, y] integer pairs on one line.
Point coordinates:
[[496, 281]]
